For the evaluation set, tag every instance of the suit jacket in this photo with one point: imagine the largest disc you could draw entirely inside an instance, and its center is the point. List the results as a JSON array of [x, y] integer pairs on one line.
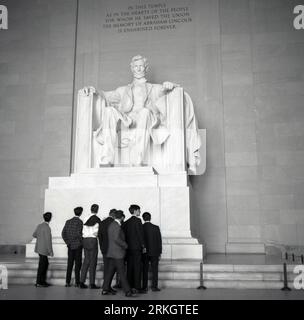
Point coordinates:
[[103, 234], [43, 235], [117, 244], [153, 239], [72, 233], [134, 232]]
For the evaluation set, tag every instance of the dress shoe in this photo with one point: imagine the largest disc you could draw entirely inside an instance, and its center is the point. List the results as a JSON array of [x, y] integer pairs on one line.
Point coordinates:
[[133, 291], [107, 292], [142, 291], [155, 289], [130, 294], [113, 291], [93, 286], [67, 285], [47, 284], [83, 286], [77, 285], [40, 285]]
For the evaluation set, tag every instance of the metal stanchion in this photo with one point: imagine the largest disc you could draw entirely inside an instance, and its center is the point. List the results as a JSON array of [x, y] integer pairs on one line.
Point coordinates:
[[293, 257], [302, 259], [285, 288], [201, 278], [286, 255]]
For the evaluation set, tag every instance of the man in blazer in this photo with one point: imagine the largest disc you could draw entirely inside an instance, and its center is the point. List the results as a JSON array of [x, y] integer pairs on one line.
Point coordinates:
[[104, 241], [115, 254], [44, 248], [72, 236], [134, 232], [153, 242]]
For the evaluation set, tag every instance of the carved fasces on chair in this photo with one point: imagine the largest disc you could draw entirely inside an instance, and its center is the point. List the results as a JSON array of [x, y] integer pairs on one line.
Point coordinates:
[[181, 137]]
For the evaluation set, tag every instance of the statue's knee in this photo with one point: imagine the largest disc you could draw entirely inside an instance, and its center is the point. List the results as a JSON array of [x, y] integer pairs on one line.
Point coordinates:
[[144, 113], [110, 113]]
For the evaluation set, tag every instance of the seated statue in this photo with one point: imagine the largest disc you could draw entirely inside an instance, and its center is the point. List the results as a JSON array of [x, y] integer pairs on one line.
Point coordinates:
[[141, 107]]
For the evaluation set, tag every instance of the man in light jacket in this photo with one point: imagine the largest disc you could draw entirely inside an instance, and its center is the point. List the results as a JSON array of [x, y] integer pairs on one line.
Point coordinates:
[[44, 248]]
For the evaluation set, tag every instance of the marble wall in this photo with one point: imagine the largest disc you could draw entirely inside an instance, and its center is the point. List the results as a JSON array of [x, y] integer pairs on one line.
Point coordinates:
[[36, 85], [262, 73], [240, 60]]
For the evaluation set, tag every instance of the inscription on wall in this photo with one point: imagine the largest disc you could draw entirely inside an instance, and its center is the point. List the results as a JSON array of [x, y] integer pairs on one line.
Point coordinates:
[[147, 17]]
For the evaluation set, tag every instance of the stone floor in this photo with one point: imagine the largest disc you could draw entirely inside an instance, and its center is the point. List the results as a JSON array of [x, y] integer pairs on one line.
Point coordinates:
[[62, 293]]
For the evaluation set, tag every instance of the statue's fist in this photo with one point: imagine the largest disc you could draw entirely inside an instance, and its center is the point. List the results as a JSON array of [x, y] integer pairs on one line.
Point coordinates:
[[88, 90], [169, 85]]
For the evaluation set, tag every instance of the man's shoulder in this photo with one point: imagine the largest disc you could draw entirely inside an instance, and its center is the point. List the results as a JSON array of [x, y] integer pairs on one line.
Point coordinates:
[[74, 220], [113, 225], [106, 221], [151, 226], [40, 226]]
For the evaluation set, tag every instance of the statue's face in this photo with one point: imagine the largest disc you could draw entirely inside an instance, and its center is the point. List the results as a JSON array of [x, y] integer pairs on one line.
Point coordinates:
[[138, 69]]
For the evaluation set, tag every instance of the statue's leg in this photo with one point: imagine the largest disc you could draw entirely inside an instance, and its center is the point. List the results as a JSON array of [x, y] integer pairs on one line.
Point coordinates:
[[109, 134], [142, 136]]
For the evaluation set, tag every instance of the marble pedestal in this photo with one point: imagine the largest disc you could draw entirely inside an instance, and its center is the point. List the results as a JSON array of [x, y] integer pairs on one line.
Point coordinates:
[[166, 196]]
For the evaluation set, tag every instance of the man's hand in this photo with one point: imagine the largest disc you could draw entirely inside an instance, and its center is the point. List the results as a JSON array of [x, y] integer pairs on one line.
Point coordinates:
[[169, 86], [144, 250], [88, 90]]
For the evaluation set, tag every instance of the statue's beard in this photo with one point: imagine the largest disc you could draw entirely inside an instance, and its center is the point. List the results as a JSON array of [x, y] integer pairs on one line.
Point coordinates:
[[139, 75]]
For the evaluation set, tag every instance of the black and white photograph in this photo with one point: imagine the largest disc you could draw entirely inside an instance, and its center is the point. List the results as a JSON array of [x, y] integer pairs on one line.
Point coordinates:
[[151, 151]]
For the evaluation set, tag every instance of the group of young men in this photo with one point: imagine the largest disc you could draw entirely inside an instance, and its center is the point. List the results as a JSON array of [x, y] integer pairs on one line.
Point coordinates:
[[127, 249]]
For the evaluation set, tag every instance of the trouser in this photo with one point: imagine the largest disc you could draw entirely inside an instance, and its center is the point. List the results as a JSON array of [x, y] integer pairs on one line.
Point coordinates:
[[42, 269], [118, 282], [116, 265], [90, 259], [154, 268], [105, 265], [74, 256], [134, 268]]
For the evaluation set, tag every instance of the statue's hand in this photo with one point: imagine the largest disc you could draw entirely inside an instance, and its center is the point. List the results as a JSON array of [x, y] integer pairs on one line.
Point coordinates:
[[169, 86], [88, 90], [114, 100]]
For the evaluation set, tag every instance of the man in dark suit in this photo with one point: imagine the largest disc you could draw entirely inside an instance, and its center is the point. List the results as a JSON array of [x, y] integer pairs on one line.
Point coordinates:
[[115, 254], [134, 232], [72, 236], [153, 241], [104, 241], [44, 248]]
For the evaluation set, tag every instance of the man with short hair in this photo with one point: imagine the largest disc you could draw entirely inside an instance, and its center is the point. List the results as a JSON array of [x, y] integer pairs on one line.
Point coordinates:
[[104, 240], [90, 246], [72, 236], [44, 248], [153, 241], [116, 252], [136, 246]]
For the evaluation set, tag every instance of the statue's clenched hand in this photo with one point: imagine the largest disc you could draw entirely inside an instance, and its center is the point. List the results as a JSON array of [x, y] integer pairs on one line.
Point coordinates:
[[88, 90], [169, 85]]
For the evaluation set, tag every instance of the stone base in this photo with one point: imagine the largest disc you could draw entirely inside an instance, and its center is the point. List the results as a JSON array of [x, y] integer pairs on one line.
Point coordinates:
[[240, 248], [173, 249], [165, 196]]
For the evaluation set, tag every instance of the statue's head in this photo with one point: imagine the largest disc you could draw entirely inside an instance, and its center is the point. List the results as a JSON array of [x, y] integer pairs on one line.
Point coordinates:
[[139, 66]]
